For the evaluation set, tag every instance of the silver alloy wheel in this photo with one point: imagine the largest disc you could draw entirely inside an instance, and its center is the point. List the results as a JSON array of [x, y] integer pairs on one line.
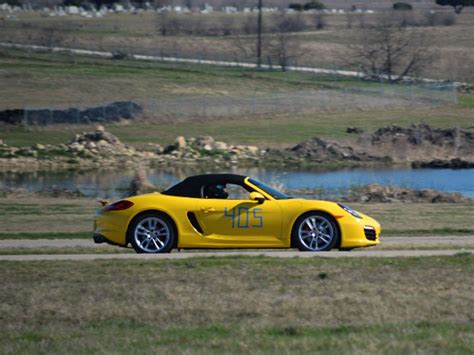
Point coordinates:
[[316, 233], [152, 234]]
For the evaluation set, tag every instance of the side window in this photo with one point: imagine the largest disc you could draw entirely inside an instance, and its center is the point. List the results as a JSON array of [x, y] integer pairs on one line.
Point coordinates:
[[236, 192], [225, 191]]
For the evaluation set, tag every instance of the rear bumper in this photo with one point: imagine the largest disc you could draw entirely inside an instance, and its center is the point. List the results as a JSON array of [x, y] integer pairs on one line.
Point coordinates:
[[111, 228], [99, 239]]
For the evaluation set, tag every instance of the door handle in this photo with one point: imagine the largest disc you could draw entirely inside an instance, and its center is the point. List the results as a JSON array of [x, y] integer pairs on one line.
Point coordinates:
[[208, 209]]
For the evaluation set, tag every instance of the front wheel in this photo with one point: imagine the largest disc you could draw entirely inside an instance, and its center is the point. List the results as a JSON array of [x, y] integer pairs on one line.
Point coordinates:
[[151, 233], [315, 231]]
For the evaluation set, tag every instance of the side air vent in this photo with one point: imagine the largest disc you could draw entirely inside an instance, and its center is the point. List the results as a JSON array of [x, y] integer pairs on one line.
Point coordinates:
[[194, 222]]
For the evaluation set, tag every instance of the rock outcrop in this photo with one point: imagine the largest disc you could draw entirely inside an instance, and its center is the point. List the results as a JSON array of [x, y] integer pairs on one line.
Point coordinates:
[[103, 148], [455, 163], [91, 149], [99, 142], [113, 112], [386, 194], [317, 149], [421, 141], [413, 144], [207, 146]]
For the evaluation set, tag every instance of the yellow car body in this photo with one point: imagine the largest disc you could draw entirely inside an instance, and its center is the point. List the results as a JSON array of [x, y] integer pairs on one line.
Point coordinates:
[[261, 221]]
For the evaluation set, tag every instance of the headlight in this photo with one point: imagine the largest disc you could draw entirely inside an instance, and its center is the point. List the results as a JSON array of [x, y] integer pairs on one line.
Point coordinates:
[[350, 210]]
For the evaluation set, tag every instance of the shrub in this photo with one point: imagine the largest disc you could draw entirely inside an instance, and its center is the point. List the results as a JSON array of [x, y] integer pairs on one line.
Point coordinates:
[[402, 6], [458, 5], [439, 19], [12, 2], [296, 7], [314, 5]]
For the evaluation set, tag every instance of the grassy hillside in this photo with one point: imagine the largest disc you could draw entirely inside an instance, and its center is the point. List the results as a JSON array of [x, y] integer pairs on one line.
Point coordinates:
[[322, 48], [297, 104]]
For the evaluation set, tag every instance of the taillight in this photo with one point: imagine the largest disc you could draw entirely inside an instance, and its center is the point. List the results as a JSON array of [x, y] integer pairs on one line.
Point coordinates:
[[119, 205]]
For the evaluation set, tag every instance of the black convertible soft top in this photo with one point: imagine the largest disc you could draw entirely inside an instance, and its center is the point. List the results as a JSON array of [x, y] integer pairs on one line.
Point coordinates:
[[192, 186]]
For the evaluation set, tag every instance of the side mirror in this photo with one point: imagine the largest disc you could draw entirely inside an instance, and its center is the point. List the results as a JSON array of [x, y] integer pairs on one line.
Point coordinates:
[[257, 196]]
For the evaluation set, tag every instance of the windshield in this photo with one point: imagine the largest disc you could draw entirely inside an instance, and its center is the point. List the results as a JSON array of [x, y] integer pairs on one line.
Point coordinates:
[[269, 190]]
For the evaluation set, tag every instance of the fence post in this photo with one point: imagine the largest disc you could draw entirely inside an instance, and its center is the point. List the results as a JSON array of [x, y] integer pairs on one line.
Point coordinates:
[[25, 117]]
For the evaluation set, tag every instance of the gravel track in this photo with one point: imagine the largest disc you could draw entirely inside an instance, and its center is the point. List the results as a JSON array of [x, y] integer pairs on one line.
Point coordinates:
[[275, 254], [392, 241], [88, 243]]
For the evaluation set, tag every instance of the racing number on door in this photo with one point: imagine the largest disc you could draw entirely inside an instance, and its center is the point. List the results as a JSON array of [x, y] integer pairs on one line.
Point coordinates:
[[242, 217]]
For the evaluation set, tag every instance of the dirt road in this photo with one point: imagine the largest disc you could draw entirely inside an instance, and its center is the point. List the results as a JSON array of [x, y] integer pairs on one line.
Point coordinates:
[[387, 241], [435, 241], [275, 254]]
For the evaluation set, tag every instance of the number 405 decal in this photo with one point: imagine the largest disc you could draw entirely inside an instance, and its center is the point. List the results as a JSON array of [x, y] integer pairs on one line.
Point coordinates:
[[242, 217]]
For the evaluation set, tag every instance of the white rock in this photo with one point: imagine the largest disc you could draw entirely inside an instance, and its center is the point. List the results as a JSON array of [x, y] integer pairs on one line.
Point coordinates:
[[180, 142], [220, 145], [76, 146], [252, 149], [72, 10], [118, 8], [102, 144]]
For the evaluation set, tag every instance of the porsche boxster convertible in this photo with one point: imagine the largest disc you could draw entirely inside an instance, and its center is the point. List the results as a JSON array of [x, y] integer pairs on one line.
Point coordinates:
[[231, 211]]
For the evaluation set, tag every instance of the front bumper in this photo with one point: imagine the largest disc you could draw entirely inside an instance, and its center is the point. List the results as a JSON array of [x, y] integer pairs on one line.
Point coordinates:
[[357, 232]]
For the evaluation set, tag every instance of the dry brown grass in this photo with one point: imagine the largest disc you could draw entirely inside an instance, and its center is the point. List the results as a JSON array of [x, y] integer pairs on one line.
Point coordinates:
[[46, 215], [255, 292], [421, 218], [325, 48], [76, 306]]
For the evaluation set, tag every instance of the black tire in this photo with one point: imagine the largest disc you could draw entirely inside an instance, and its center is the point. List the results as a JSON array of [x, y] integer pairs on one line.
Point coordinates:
[[315, 231], [152, 233]]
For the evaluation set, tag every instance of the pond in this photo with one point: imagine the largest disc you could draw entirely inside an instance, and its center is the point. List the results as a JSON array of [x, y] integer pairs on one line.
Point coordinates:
[[114, 183]]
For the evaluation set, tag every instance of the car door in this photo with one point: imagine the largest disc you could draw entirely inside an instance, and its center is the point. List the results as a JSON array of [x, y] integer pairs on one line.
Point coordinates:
[[241, 223]]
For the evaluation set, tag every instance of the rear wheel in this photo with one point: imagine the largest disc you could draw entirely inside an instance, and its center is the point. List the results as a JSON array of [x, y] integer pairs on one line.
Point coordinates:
[[152, 233], [315, 231]]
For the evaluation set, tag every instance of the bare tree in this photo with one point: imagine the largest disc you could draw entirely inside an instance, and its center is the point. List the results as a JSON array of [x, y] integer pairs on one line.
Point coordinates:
[[319, 21], [51, 37], [283, 45], [167, 23], [244, 48], [279, 44], [285, 48], [388, 50]]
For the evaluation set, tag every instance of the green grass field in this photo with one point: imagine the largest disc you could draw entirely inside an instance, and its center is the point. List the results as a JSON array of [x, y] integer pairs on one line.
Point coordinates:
[[239, 304]]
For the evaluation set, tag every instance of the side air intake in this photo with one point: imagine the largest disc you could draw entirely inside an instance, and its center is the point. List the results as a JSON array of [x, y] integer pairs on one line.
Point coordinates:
[[194, 222]]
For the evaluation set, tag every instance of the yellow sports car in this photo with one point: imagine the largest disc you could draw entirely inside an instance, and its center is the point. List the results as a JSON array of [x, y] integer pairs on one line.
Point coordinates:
[[231, 211]]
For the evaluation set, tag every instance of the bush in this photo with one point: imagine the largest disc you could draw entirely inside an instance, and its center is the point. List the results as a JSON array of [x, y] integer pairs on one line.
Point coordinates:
[[314, 5], [296, 7], [12, 2], [402, 6], [439, 19], [72, 3]]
